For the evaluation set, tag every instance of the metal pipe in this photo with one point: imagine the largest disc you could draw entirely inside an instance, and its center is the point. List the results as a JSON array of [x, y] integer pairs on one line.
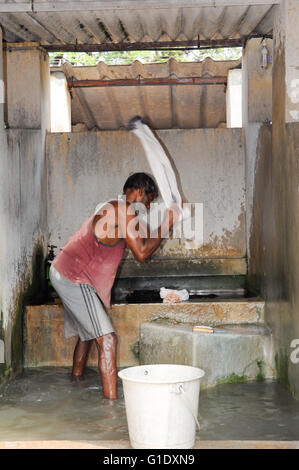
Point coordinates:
[[148, 81], [152, 46], [146, 46]]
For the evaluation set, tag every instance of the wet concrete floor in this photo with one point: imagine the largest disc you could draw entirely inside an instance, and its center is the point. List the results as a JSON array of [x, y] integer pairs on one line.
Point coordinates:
[[44, 404]]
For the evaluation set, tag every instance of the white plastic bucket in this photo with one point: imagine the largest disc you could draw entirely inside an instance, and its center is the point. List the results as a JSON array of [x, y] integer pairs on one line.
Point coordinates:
[[161, 405]]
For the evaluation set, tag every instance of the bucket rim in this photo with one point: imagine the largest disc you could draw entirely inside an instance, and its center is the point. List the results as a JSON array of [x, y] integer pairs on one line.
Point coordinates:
[[165, 381]]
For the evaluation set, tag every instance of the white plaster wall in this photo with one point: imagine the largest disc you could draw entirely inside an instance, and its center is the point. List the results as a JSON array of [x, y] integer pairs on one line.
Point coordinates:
[[60, 104], [234, 98]]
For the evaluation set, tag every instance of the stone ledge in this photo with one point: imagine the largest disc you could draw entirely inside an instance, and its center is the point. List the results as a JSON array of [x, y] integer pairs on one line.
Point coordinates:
[[244, 352], [45, 344]]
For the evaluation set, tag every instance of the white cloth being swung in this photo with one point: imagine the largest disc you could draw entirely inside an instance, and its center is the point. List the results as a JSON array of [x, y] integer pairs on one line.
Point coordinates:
[[160, 165]]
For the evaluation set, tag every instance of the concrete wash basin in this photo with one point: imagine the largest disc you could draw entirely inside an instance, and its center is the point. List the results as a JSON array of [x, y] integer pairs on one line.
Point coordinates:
[[244, 352], [45, 345]]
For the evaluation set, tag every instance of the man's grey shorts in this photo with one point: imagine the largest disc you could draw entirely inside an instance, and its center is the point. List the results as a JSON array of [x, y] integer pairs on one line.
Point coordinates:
[[84, 314]]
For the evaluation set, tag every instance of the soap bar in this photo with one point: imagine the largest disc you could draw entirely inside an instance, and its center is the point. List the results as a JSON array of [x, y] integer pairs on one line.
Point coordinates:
[[203, 329]]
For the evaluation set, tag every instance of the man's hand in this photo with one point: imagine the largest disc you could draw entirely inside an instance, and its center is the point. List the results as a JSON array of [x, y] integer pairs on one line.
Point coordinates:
[[143, 246]]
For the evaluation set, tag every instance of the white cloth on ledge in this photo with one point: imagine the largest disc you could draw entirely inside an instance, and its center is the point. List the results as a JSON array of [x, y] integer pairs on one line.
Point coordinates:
[[173, 295]]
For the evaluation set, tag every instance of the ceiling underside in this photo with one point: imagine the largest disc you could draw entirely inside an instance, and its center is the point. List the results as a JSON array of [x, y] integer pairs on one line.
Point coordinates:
[[137, 25], [163, 107]]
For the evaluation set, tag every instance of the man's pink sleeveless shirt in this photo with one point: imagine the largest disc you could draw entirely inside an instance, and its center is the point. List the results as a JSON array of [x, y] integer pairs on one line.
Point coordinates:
[[85, 260]]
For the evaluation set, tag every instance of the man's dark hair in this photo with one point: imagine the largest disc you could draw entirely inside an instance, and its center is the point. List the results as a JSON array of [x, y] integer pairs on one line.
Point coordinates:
[[142, 180]]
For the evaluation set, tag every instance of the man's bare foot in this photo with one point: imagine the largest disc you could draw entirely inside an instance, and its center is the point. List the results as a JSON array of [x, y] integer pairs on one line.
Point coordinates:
[[77, 378]]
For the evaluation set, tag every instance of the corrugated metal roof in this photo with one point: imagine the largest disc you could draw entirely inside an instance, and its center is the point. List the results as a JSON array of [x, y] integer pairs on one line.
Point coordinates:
[[163, 107], [138, 25]]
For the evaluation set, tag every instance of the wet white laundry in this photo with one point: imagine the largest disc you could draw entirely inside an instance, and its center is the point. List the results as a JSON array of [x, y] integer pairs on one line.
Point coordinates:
[[159, 164], [182, 294]]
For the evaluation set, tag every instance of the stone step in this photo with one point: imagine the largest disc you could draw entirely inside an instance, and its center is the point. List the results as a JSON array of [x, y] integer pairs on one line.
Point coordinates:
[[44, 332], [244, 352]]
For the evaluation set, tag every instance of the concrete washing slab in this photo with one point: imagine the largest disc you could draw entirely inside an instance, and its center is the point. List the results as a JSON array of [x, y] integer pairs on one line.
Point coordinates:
[[242, 352], [45, 344]]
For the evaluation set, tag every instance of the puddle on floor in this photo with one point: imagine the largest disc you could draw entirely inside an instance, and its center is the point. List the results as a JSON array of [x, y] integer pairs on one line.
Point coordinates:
[[44, 404], [248, 411]]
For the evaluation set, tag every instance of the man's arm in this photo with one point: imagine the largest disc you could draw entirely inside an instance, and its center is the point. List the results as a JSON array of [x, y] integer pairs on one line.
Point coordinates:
[[142, 247]]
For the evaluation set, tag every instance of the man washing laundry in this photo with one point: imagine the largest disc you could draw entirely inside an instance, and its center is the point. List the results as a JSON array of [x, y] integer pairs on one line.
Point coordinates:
[[83, 272]]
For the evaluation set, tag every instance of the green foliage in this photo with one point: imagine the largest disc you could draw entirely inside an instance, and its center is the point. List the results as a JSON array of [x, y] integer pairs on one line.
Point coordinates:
[[146, 57]]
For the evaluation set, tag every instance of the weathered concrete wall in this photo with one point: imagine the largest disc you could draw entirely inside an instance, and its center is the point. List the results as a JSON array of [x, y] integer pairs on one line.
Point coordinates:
[[274, 243], [256, 109], [22, 209], [251, 130], [26, 77], [87, 168], [22, 229], [282, 262], [257, 83], [275, 223], [261, 222]]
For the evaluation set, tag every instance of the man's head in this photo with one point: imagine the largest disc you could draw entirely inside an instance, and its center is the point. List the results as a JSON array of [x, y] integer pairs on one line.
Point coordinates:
[[140, 187]]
